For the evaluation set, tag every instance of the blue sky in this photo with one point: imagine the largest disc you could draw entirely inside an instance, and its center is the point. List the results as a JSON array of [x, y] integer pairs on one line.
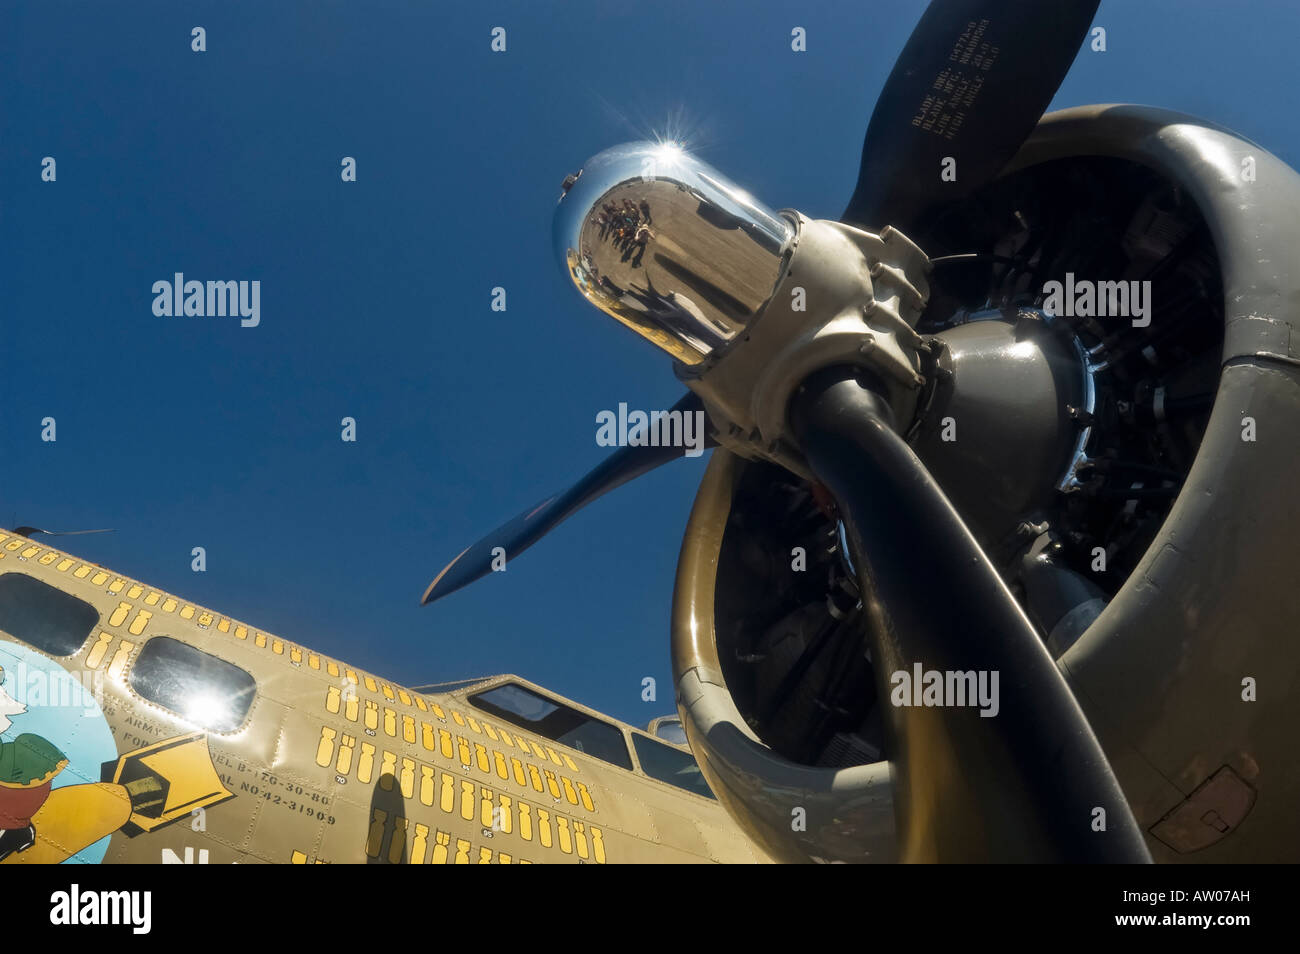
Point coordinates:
[[375, 300]]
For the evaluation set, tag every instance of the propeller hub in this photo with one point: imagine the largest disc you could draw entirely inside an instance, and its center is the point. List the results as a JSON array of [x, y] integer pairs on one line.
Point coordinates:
[[670, 247]]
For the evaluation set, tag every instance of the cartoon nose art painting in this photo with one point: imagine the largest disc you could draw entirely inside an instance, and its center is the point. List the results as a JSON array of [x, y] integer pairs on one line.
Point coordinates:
[[64, 790]]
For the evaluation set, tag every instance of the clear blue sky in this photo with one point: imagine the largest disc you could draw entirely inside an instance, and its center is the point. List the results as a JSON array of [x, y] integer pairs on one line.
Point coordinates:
[[375, 295]]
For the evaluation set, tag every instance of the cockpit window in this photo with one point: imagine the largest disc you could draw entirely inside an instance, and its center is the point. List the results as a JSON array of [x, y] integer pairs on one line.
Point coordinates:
[[670, 765], [556, 721], [199, 688], [43, 616]]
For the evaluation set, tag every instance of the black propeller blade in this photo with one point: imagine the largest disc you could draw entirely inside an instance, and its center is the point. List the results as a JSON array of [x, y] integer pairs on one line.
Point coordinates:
[[530, 526], [1026, 783], [971, 83], [1022, 784]]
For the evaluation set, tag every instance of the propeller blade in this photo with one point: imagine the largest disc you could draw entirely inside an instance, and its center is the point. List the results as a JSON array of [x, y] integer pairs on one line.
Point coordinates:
[[971, 83], [1020, 785], [28, 531], [523, 531]]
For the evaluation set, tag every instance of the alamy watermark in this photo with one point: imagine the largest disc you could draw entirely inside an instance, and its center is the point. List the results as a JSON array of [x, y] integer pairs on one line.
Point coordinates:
[[75, 906], [1088, 299], [23, 687], [946, 689], [195, 299], [675, 428]]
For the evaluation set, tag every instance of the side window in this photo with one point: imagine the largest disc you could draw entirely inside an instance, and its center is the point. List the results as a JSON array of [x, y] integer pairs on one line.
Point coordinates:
[[199, 688], [670, 730], [556, 721], [670, 765], [44, 617]]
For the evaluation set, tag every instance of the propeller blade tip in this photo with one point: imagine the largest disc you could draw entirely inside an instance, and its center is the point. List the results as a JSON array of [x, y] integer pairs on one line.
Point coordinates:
[[429, 596]]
